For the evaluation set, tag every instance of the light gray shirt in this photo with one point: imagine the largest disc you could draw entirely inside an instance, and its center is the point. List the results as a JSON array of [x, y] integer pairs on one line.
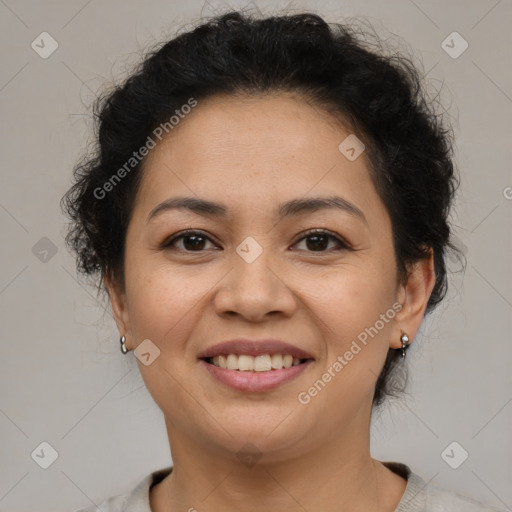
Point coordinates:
[[419, 496]]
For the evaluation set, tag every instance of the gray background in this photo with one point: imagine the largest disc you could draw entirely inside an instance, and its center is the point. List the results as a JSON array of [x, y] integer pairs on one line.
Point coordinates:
[[63, 379]]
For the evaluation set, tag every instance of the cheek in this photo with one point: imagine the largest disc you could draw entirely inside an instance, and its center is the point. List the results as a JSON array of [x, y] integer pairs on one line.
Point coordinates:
[[355, 316], [161, 305], [355, 306], [159, 302]]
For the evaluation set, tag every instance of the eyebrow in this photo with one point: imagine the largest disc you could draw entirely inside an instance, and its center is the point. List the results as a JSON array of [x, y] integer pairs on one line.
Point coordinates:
[[293, 207]]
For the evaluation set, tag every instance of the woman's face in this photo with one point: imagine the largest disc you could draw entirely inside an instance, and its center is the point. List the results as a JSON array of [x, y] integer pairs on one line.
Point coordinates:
[[252, 269]]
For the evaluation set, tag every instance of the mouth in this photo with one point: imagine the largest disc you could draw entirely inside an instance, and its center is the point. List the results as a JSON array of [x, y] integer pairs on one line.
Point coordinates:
[[255, 365], [260, 363]]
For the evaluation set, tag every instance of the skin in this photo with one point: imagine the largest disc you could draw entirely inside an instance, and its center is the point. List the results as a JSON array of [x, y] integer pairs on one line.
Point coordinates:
[[252, 154]]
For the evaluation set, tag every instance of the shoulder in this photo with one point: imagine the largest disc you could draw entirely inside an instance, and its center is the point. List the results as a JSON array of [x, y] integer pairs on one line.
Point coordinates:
[[421, 496], [440, 499], [135, 500], [113, 504]]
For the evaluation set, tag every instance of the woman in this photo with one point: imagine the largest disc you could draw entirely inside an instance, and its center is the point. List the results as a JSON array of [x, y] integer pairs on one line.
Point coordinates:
[[267, 210]]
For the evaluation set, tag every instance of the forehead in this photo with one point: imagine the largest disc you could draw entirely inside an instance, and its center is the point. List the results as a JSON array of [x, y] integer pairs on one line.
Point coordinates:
[[253, 145]]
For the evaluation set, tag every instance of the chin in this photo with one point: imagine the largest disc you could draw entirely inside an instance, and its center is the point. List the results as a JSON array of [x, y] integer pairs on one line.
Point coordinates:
[[274, 432]]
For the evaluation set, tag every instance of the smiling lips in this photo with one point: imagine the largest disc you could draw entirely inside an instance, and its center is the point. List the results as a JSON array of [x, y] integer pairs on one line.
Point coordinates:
[[261, 363], [253, 366]]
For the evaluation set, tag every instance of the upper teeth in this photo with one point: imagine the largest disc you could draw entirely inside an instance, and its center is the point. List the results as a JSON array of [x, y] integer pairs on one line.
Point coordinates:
[[262, 363]]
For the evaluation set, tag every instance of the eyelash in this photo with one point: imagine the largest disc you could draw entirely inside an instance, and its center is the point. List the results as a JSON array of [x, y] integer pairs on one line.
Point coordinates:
[[343, 245]]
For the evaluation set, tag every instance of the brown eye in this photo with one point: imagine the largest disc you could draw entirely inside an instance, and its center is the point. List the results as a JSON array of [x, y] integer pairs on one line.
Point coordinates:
[[191, 241], [318, 241]]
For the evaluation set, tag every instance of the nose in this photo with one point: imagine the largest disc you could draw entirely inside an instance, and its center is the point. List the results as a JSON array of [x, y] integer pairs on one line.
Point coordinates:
[[254, 291]]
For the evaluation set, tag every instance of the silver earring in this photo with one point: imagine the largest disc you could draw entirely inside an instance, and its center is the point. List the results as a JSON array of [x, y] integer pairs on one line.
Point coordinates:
[[405, 340], [122, 340]]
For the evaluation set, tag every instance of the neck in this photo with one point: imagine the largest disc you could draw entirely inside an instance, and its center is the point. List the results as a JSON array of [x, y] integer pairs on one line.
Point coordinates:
[[339, 476]]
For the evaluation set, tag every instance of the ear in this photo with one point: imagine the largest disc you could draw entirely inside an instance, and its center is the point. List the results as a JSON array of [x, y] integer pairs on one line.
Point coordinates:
[[414, 296], [119, 307]]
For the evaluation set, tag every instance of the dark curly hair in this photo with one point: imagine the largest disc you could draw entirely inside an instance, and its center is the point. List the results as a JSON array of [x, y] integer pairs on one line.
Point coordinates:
[[378, 97]]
